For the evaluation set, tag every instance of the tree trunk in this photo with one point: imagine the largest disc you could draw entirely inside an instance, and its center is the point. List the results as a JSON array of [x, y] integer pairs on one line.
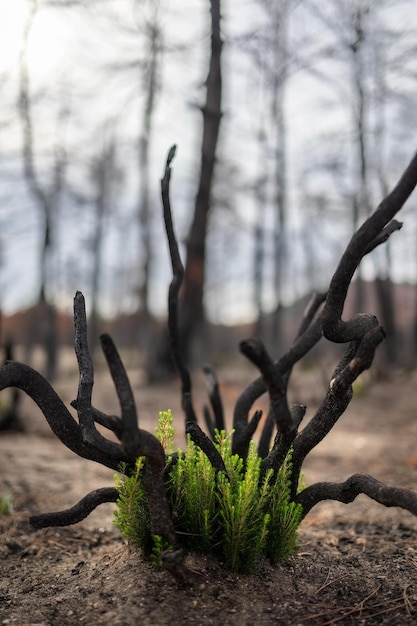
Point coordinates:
[[384, 283], [154, 49], [192, 308], [259, 232], [47, 202], [103, 174], [280, 200], [362, 202]]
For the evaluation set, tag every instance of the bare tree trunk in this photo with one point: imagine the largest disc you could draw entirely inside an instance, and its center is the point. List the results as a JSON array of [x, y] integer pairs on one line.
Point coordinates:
[[384, 284], [193, 317], [47, 202], [280, 211], [103, 174], [362, 200], [259, 235], [279, 78], [150, 80]]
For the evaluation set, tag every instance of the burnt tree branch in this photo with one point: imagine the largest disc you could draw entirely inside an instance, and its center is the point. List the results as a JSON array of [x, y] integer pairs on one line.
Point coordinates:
[[60, 420], [242, 433], [285, 418], [78, 512], [375, 230], [173, 295], [124, 392], [255, 351], [215, 397], [90, 434], [111, 422], [84, 439], [357, 358], [357, 484], [207, 446]]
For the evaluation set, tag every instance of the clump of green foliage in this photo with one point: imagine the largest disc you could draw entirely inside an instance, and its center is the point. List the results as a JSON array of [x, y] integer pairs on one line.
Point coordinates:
[[131, 516], [239, 517]]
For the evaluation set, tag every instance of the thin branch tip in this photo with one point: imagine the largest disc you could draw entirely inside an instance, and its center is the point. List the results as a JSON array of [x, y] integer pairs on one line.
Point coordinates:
[[171, 155]]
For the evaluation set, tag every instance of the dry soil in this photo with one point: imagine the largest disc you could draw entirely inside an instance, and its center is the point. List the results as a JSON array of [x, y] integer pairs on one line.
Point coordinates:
[[356, 564]]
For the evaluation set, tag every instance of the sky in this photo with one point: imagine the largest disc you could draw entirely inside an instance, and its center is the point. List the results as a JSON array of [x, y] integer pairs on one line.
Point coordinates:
[[67, 51]]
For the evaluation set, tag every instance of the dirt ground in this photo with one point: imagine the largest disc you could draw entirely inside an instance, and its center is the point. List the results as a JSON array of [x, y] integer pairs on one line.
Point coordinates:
[[356, 564]]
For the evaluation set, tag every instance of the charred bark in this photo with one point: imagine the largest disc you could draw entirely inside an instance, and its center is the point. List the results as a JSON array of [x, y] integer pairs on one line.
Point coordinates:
[[192, 312]]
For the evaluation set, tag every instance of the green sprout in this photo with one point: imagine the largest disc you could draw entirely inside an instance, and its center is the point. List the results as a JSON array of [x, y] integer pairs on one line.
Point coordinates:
[[239, 517]]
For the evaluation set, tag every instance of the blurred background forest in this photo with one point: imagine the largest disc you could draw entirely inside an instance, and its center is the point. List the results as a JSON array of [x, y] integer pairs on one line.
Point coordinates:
[[293, 118]]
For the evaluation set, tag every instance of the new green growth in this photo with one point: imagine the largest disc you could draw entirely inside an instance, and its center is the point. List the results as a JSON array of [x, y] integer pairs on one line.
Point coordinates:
[[239, 517]]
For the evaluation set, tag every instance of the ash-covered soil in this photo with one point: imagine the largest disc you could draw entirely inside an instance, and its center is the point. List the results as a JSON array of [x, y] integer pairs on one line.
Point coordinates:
[[356, 564]]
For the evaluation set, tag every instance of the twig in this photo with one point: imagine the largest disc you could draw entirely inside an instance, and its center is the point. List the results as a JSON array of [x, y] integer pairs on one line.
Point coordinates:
[[329, 582], [358, 608]]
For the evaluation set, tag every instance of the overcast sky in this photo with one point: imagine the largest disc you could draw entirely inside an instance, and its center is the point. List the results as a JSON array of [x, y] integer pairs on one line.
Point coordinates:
[[67, 48]]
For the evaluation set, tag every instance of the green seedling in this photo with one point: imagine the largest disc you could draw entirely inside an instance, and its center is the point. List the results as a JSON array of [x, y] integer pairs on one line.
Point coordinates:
[[239, 516]]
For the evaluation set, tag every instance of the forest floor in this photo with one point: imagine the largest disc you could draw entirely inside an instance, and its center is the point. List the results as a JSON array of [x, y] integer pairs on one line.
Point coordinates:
[[356, 564]]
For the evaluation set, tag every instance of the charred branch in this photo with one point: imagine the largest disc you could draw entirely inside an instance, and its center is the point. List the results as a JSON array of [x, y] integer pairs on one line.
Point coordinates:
[[124, 393], [174, 288], [60, 420], [284, 441], [352, 487], [135, 442], [78, 512], [215, 397], [89, 432], [357, 359], [208, 419], [83, 437], [302, 345], [375, 230], [384, 235], [310, 312], [207, 446], [243, 435], [159, 512], [255, 351], [285, 419], [10, 418], [111, 422]]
